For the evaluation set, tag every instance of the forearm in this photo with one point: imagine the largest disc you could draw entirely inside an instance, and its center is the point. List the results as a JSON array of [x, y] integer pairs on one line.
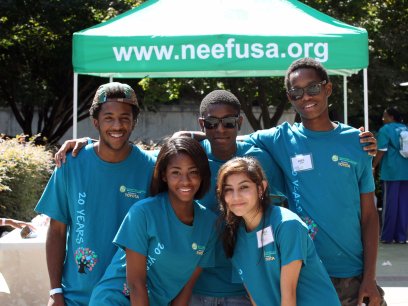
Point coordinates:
[[377, 159], [289, 280], [370, 230], [184, 296], [138, 294], [55, 252]]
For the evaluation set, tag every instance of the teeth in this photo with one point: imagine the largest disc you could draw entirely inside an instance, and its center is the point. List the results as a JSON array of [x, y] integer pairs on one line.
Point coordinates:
[[185, 190], [310, 105], [116, 134]]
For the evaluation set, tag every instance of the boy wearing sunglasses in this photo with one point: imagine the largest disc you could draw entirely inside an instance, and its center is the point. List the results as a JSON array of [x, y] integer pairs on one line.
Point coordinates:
[[330, 183], [220, 120]]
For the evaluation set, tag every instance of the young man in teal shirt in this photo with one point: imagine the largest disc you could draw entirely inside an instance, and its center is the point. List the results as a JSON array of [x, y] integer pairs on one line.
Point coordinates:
[[329, 183], [88, 197]]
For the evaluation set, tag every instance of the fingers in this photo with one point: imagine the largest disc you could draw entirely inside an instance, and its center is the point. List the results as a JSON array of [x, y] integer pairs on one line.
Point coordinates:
[[366, 134], [76, 149], [361, 128]]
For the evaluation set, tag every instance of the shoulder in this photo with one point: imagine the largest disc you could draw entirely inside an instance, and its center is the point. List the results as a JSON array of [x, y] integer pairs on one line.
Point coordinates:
[[138, 153], [204, 211], [345, 129], [284, 220], [146, 205]]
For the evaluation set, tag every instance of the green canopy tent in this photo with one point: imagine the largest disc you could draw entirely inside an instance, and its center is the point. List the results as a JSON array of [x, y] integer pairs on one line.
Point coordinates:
[[218, 38]]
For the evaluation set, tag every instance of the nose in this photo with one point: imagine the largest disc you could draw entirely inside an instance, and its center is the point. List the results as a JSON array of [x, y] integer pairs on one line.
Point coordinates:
[[185, 178], [117, 123]]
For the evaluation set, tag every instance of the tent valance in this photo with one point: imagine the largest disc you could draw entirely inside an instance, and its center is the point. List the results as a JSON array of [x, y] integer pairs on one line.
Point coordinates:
[[217, 38]]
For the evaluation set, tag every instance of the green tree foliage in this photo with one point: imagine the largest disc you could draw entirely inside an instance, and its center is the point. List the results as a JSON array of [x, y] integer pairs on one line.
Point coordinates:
[[35, 60], [386, 23], [36, 70]]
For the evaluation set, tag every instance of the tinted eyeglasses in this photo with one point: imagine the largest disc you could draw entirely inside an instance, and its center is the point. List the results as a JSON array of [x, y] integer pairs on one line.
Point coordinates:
[[311, 90], [227, 122]]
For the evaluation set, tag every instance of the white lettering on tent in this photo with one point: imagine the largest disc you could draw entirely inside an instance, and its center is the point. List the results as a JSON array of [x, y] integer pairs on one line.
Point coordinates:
[[217, 51], [321, 51], [123, 52], [203, 51], [231, 49], [257, 50], [184, 49], [272, 50], [230, 45], [238, 53], [143, 53], [295, 50]]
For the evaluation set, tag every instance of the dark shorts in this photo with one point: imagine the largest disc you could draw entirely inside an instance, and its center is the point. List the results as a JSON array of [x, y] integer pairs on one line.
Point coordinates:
[[348, 288]]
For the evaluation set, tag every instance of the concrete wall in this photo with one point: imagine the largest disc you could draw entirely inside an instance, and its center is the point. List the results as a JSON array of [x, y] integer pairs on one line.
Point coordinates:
[[151, 125]]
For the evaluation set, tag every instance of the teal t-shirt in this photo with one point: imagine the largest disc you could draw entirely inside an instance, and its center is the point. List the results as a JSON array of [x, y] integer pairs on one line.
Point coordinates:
[[394, 167], [216, 281], [325, 173], [280, 239], [173, 249], [92, 197]]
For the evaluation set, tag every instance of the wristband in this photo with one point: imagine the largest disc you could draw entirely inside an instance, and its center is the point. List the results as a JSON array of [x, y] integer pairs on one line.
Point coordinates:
[[3, 221], [55, 291]]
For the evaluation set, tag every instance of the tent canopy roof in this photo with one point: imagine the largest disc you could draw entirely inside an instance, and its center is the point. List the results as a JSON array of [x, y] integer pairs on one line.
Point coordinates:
[[217, 38]]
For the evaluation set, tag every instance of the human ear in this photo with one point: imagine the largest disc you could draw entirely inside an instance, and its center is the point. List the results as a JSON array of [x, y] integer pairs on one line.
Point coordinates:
[[240, 120], [328, 89], [201, 124], [95, 123]]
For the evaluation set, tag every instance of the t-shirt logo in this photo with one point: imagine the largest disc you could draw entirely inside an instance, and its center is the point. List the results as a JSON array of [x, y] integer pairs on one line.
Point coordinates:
[[85, 258], [311, 226], [132, 192], [198, 248]]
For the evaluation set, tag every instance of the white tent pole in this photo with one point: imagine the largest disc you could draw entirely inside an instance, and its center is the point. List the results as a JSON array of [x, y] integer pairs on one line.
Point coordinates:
[[365, 99], [75, 110], [345, 100]]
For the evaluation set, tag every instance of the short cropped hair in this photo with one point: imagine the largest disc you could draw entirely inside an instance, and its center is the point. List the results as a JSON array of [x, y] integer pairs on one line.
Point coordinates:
[[219, 96], [394, 112], [306, 63]]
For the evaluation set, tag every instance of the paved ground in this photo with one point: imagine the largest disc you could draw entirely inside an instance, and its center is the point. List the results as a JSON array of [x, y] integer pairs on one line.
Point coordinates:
[[392, 273]]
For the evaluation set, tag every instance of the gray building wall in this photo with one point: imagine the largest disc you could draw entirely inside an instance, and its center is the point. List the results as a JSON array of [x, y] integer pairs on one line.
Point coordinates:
[[151, 126]]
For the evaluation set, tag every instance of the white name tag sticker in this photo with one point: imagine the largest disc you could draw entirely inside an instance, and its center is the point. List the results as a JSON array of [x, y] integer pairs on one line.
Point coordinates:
[[302, 162], [265, 236]]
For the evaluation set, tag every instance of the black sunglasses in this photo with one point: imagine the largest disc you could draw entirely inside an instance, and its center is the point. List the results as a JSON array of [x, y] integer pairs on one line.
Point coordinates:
[[227, 122], [311, 90]]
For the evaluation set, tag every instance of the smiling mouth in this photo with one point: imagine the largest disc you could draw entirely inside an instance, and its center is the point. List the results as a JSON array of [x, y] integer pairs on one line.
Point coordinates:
[[308, 106], [116, 134]]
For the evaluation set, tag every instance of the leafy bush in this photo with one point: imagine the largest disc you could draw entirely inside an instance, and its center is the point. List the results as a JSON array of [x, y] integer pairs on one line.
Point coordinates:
[[24, 171]]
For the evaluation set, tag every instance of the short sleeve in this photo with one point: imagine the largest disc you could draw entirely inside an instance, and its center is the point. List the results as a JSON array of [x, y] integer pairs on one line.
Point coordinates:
[[132, 233], [366, 182], [292, 239], [260, 138], [54, 200], [382, 140]]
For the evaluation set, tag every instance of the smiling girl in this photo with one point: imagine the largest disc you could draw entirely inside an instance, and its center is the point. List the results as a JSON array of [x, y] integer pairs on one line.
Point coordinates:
[[269, 245]]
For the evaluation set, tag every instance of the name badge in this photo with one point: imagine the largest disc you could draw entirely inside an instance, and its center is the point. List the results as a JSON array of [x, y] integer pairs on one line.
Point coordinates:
[[265, 236], [302, 162]]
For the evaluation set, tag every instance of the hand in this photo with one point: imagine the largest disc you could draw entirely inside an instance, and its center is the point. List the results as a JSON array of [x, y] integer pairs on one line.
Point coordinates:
[[56, 300], [368, 289], [19, 224], [368, 137], [74, 144]]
